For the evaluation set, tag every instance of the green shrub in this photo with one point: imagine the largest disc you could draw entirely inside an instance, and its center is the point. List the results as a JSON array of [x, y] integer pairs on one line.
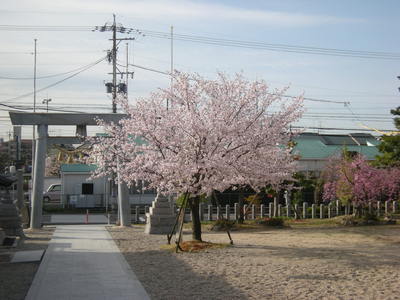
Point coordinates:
[[276, 222], [370, 217]]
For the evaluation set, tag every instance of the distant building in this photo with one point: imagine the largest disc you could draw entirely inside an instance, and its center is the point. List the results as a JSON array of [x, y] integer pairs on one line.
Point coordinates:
[[16, 151], [314, 150], [78, 190]]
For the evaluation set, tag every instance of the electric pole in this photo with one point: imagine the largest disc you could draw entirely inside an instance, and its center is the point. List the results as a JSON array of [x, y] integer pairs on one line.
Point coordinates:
[[34, 110], [112, 87], [114, 62]]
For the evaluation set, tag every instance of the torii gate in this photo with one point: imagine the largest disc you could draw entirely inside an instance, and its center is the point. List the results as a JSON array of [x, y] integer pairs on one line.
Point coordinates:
[[80, 120]]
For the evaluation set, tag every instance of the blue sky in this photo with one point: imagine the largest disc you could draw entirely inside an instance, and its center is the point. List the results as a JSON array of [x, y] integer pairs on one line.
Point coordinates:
[[370, 85]]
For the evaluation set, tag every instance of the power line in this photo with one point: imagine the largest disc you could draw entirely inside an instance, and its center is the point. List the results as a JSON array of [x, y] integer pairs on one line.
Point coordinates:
[[218, 41], [57, 82], [48, 76], [275, 47]]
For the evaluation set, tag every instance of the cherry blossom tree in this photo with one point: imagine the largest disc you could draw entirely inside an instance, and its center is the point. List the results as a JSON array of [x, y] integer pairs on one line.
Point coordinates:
[[215, 134], [356, 181]]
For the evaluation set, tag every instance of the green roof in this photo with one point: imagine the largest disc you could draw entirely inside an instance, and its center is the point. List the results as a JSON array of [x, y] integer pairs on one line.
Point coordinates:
[[78, 168], [316, 146]]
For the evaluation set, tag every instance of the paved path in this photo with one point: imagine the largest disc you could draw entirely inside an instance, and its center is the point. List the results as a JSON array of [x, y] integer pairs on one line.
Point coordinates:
[[83, 262]]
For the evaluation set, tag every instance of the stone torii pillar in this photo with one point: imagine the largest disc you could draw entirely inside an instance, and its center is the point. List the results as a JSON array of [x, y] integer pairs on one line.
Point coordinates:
[[43, 120], [38, 176]]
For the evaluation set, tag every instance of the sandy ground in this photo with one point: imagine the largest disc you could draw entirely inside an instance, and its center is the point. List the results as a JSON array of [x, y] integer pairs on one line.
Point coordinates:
[[297, 263], [16, 278]]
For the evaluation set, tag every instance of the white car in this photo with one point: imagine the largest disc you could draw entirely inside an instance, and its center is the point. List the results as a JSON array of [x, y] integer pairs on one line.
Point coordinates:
[[53, 194]]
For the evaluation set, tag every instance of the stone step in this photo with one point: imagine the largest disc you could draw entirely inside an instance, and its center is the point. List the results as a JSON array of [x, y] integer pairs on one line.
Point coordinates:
[[161, 204], [161, 216], [161, 211], [158, 229], [162, 222]]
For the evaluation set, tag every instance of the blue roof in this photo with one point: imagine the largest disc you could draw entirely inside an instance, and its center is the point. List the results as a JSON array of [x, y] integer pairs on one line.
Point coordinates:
[[78, 168], [321, 146]]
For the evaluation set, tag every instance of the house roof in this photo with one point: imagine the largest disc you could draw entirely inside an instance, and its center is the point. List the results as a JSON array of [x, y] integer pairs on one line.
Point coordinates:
[[77, 168], [323, 146]]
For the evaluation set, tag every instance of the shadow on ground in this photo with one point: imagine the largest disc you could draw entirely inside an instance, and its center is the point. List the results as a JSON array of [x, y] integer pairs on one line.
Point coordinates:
[[181, 278]]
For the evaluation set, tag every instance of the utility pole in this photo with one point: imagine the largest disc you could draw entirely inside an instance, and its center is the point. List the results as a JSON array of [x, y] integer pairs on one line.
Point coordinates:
[[114, 62], [172, 63], [113, 87], [127, 69], [34, 110], [47, 103]]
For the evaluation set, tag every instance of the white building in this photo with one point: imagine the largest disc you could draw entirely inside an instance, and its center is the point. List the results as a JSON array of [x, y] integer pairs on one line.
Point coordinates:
[[79, 190]]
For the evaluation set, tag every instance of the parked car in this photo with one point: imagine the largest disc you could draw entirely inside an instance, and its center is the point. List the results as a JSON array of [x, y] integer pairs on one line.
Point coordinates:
[[53, 194]]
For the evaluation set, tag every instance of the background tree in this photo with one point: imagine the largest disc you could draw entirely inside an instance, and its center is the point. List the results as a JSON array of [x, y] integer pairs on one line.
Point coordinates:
[[216, 134], [357, 182], [390, 146]]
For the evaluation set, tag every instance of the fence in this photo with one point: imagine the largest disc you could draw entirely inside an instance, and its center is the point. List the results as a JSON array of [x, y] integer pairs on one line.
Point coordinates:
[[212, 213], [84, 201]]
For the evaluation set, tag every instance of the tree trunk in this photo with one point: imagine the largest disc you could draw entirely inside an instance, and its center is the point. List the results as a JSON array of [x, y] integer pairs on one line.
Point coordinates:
[[241, 204], [196, 223], [357, 211], [276, 201]]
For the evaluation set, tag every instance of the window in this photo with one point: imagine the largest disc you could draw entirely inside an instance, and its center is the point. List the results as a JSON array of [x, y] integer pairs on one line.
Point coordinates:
[[87, 188], [56, 188]]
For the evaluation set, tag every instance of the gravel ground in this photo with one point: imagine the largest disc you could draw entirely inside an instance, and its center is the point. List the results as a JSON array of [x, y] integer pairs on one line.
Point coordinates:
[[296, 263], [16, 278]]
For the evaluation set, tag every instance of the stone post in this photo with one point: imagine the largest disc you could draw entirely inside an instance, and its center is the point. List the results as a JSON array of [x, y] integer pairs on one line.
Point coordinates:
[[296, 207], [38, 177], [136, 214], [330, 210], [386, 207], [218, 212], [304, 210], [370, 207], [346, 209], [236, 211], [262, 211], [271, 209], [288, 203], [209, 213], [244, 211], [378, 208], [279, 210], [394, 207], [313, 211], [321, 211], [227, 211], [337, 208], [253, 212]]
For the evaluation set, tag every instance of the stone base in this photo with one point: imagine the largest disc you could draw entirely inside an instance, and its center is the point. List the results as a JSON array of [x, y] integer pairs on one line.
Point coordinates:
[[161, 217]]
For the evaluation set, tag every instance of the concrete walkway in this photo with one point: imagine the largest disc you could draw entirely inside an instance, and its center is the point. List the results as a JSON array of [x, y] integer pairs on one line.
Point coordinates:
[[83, 262]]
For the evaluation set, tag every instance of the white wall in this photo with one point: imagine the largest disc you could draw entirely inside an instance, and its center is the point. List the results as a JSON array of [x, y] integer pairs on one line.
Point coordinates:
[[72, 183]]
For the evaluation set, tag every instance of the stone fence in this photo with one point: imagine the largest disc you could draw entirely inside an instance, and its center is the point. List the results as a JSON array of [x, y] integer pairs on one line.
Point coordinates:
[[212, 213]]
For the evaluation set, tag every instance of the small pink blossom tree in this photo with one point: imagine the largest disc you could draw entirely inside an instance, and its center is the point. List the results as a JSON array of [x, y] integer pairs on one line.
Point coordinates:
[[215, 134], [356, 181]]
